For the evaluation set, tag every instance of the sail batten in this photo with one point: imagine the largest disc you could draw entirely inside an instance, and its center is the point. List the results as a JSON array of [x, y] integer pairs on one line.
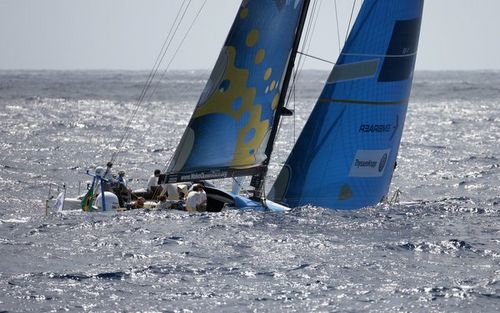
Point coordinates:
[[358, 101], [380, 55]]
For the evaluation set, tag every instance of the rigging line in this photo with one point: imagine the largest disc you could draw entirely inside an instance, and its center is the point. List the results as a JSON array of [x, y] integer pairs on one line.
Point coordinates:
[[150, 78], [168, 46], [309, 35], [258, 179], [337, 20], [307, 41], [169, 43], [172, 59], [350, 20], [179, 46], [294, 110], [302, 60], [316, 58], [150, 81], [164, 54], [306, 45], [306, 37], [310, 32], [157, 61]]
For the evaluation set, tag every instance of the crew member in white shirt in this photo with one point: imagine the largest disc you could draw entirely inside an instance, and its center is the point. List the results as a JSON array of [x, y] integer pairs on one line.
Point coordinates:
[[196, 199], [153, 185]]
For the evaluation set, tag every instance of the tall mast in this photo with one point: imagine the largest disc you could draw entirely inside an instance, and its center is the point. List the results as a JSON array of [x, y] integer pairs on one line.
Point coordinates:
[[258, 180]]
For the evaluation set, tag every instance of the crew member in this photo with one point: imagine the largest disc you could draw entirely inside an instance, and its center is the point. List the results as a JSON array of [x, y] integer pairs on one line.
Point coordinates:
[[153, 185], [109, 180], [121, 189], [196, 199]]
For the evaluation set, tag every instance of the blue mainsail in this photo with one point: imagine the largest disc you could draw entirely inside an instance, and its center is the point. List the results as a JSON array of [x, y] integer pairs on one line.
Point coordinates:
[[229, 129], [346, 153]]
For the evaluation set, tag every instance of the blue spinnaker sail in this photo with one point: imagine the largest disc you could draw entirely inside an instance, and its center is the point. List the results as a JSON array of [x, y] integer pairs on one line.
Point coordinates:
[[229, 129], [345, 156]]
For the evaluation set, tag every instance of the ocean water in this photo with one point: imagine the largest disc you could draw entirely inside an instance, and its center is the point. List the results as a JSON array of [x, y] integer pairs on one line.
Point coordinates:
[[436, 251]]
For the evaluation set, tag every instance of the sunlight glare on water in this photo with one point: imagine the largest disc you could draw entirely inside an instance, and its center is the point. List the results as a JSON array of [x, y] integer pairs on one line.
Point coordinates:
[[439, 251]]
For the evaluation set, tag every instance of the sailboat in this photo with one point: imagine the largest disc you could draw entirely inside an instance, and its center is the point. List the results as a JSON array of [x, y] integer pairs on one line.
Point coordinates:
[[345, 156]]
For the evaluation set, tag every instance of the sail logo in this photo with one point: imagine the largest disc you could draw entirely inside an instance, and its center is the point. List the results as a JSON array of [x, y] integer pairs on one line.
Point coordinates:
[[204, 175], [369, 163], [375, 128]]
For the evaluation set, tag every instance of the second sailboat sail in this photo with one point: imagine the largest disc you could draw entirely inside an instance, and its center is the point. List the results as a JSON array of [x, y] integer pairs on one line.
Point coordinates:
[[346, 153], [229, 129]]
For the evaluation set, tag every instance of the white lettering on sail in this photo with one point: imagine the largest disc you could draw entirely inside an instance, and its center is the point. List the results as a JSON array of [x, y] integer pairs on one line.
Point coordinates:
[[206, 175]]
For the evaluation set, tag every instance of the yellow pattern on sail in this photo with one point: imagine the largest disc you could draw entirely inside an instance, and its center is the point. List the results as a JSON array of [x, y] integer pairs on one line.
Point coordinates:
[[233, 88]]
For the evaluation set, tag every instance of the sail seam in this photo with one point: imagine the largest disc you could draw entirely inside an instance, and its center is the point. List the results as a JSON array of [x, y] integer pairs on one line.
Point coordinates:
[[380, 55], [399, 102]]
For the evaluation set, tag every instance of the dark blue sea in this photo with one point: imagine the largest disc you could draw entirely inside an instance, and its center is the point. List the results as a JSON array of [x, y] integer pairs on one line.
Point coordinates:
[[438, 250]]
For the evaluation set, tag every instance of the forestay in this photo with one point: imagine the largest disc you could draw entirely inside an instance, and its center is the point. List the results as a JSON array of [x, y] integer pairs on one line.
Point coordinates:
[[346, 153], [229, 129]]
